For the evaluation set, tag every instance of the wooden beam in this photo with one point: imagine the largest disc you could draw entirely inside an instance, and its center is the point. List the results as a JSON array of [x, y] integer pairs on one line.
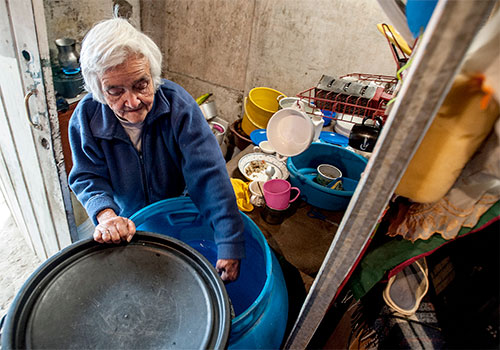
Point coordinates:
[[436, 61]]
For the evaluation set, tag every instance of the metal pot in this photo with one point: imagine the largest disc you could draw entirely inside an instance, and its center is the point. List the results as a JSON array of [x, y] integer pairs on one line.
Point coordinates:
[[363, 137], [209, 110]]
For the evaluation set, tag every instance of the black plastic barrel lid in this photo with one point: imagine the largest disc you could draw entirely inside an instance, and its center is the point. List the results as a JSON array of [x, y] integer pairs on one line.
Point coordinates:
[[155, 292]]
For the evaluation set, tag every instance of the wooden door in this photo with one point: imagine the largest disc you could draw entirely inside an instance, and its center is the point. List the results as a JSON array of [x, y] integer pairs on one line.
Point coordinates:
[[32, 175]]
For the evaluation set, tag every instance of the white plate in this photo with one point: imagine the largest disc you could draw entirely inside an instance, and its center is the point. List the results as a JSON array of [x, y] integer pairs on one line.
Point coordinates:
[[253, 167], [343, 125], [339, 129], [290, 132]]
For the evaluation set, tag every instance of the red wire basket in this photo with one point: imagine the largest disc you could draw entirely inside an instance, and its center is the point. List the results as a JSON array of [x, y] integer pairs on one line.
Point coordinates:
[[345, 107]]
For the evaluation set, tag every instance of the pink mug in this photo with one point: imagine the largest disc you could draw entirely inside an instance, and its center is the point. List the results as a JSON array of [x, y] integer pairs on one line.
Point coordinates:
[[277, 194]]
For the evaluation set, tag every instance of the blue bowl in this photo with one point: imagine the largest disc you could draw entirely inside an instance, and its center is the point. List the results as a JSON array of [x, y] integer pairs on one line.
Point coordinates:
[[303, 166], [328, 116], [258, 135]]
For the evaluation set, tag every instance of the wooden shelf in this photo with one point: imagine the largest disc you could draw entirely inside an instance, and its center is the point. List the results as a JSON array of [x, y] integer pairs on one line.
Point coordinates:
[[64, 118]]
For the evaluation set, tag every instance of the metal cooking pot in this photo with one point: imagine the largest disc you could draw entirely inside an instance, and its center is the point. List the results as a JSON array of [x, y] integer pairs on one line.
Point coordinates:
[[363, 136]]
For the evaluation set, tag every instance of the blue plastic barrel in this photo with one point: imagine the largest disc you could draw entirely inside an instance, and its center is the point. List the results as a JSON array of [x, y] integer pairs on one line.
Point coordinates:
[[259, 296]]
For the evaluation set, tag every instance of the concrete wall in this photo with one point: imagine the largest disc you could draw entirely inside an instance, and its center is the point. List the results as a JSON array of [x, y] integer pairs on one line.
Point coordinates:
[[227, 47], [73, 19]]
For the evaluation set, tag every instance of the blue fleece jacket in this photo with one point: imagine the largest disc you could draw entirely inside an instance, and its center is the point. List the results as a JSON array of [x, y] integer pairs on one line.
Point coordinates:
[[178, 150]]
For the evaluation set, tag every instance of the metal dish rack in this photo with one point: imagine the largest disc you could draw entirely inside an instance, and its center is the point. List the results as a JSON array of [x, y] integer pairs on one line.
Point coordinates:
[[344, 105]]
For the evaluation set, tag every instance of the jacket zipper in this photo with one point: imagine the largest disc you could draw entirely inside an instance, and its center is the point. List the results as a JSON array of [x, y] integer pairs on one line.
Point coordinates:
[[144, 178], [145, 185]]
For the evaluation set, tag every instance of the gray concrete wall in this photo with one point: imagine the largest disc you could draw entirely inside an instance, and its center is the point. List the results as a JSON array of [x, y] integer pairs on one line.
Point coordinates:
[[73, 19], [227, 47]]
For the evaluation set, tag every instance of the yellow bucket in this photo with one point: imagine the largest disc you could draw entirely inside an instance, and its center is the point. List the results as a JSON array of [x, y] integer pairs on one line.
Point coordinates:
[[262, 103], [248, 124]]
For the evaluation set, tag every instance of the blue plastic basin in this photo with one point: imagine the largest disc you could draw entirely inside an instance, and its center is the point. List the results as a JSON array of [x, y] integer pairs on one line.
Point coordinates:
[[300, 167], [259, 296]]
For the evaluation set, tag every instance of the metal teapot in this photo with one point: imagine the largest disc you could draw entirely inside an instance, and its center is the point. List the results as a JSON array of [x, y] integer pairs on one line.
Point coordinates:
[[363, 136], [67, 57]]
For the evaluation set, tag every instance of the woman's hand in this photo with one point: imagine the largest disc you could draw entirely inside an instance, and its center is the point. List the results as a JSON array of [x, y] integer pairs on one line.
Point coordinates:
[[113, 228], [228, 268]]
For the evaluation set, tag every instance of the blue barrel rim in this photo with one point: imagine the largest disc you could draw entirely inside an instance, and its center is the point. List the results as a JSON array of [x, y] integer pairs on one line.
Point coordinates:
[[267, 285]]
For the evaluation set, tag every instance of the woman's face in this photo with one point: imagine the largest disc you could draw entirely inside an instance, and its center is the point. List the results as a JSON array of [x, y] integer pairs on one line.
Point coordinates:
[[128, 89]]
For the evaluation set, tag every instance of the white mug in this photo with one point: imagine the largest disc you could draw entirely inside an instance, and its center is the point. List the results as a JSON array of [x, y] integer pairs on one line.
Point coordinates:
[[257, 197], [265, 147], [292, 102]]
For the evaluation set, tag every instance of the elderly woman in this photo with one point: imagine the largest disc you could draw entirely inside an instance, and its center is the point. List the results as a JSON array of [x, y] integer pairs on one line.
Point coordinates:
[[137, 139]]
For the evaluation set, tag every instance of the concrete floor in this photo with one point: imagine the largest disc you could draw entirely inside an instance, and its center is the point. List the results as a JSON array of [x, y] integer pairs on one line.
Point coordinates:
[[18, 261]]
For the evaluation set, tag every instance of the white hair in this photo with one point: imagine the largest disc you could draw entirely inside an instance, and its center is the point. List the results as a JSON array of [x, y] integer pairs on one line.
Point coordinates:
[[107, 45]]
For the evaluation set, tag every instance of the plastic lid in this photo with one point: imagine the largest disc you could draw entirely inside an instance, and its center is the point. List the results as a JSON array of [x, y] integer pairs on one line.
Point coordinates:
[[334, 138], [155, 292]]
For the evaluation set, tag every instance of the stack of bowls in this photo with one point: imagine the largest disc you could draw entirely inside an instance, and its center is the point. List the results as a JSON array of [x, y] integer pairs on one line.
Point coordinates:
[[259, 107], [344, 125]]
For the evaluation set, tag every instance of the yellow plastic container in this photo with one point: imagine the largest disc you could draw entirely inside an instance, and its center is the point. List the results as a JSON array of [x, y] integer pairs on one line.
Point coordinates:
[[262, 103], [248, 125]]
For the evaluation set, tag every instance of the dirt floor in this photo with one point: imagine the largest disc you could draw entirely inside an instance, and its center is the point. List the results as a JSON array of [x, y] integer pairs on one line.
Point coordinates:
[[17, 260]]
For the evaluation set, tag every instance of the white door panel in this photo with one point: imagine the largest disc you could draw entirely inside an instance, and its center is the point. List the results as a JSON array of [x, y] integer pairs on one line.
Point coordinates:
[[30, 173]]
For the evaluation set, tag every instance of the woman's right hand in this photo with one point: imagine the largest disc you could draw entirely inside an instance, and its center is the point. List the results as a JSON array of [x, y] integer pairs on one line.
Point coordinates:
[[113, 228]]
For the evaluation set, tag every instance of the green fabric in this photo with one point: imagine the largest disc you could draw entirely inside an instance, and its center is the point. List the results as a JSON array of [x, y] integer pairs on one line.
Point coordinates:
[[378, 260]]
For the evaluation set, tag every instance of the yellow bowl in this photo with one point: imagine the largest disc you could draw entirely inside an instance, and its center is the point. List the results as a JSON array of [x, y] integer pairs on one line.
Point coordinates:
[[262, 103], [255, 118], [248, 125]]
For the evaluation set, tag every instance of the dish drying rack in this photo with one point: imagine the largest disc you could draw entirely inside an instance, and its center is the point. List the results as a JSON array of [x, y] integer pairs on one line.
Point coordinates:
[[350, 97]]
